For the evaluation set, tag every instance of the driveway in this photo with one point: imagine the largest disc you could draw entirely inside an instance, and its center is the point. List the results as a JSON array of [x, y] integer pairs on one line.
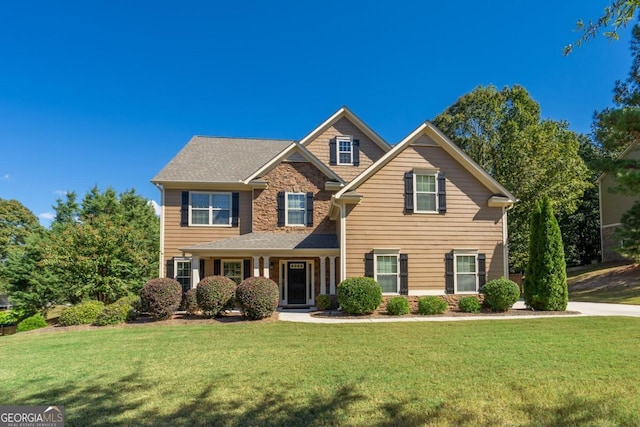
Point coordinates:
[[584, 309]]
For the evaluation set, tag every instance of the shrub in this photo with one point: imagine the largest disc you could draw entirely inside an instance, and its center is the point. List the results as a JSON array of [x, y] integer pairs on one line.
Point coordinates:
[[323, 302], [359, 295], [215, 294], [469, 304], [161, 297], [397, 306], [113, 314], [81, 314], [8, 318], [432, 305], [500, 294], [190, 301], [133, 304], [30, 323], [257, 297]]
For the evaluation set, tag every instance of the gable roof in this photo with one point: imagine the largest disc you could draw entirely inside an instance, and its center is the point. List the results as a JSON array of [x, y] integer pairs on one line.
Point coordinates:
[[292, 149], [235, 159], [349, 115], [452, 149]]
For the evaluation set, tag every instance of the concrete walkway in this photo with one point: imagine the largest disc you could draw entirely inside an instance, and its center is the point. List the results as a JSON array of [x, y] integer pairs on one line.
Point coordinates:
[[584, 309]]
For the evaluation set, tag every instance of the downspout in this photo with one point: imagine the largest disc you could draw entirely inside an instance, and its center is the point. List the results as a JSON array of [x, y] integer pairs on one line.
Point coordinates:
[[343, 241], [505, 237], [161, 272]]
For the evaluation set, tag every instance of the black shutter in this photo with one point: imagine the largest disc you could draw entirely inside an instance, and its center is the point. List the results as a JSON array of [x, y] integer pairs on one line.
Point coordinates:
[[201, 269], [408, 192], [281, 221], [184, 210], [333, 155], [309, 209], [442, 193], [169, 272], [356, 152], [368, 265], [247, 268], [482, 271], [448, 267], [404, 274], [235, 201], [217, 270]]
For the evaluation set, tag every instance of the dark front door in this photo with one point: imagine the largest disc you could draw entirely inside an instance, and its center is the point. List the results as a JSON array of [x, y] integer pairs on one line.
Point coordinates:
[[296, 282]]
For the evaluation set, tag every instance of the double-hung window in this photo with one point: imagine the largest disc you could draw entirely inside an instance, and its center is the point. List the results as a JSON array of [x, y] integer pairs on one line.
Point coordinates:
[[296, 209], [425, 192], [345, 150], [183, 273], [210, 209], [233, 270], [466, 273], [386, 272]]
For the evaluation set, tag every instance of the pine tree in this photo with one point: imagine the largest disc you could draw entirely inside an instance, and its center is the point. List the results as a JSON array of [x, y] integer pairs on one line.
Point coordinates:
[[545, 286]]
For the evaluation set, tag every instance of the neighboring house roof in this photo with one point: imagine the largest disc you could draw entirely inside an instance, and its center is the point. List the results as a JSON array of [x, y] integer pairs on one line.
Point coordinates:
[[345, 112], [270, 241], [235, 159], [439, 138]]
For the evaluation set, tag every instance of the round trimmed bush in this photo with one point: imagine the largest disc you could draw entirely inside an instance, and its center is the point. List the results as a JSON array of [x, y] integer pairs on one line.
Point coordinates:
[[190, 301], [84, 313], [323, 302], [500, 294], [257, 297], [215, 294], [432, 305], [397, 306], [469, 304], [359, 295], [161, 297], [30, 323]]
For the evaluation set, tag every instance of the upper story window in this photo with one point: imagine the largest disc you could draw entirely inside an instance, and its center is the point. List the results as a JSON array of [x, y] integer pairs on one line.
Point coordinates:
[[296, 209], [345, 150], [210, 209], [425, 193]]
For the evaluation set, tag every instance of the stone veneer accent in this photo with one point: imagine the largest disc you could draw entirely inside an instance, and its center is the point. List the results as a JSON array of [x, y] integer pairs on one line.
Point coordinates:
[[297, 177], [609, 243]]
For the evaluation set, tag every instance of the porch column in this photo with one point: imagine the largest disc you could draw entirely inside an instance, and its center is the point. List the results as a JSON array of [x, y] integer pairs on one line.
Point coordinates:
[[256, 266], [332, 275], [265, 267], [195, 271], [323, 275]]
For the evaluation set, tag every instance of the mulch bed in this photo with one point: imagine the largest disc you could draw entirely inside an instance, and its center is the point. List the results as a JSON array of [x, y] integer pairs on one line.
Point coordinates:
[[452, 313]]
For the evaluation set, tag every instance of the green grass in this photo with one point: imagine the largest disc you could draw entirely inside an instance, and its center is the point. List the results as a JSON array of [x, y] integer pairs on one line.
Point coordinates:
[[616, 283], [552, 372]]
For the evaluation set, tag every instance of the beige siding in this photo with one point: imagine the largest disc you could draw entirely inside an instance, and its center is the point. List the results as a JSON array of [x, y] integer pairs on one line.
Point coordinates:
[[379, 221], [614, 205], [177, 236], [369, 150]]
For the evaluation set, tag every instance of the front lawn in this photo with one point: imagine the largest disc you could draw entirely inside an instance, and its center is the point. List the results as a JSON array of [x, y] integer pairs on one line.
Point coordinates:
[[561, 371], [614, 283]]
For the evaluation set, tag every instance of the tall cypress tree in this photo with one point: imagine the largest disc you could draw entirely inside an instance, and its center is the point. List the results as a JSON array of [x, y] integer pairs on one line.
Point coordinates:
[[545, 286]]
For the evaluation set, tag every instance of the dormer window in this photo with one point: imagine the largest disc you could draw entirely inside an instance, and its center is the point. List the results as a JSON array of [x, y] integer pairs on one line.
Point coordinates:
[[345, 150]]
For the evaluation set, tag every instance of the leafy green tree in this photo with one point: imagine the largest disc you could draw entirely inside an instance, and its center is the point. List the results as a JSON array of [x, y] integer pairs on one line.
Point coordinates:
[[105, 247], [616, 16], [16, 224], [503, 132], [629, 233], [545, 285]]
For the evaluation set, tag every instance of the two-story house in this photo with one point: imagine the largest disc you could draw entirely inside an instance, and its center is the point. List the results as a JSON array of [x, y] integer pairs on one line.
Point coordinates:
[[420, 217]]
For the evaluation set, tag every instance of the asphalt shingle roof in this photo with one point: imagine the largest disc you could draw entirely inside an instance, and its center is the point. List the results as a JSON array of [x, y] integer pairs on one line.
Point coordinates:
[[266, 241], [216, 159]]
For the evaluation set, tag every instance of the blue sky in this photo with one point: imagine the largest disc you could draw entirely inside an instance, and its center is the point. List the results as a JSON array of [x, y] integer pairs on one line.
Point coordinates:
[[107, 92]]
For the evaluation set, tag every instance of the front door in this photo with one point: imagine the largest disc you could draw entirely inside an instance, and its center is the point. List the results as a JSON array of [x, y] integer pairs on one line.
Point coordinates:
[[296, 282]]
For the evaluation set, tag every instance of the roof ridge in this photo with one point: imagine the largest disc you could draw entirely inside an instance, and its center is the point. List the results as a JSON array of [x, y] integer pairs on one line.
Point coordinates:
[[248, 137]]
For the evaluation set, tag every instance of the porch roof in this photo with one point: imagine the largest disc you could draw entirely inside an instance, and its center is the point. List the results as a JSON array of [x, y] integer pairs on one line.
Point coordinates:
[[265, 242]]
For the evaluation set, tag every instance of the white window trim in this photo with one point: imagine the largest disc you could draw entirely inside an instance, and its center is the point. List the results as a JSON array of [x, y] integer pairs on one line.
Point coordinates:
[[286, 210], [389, 253], [456, 254], [211, 210], [175, 268], [240, 261], [434, 174], [350, 141]]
